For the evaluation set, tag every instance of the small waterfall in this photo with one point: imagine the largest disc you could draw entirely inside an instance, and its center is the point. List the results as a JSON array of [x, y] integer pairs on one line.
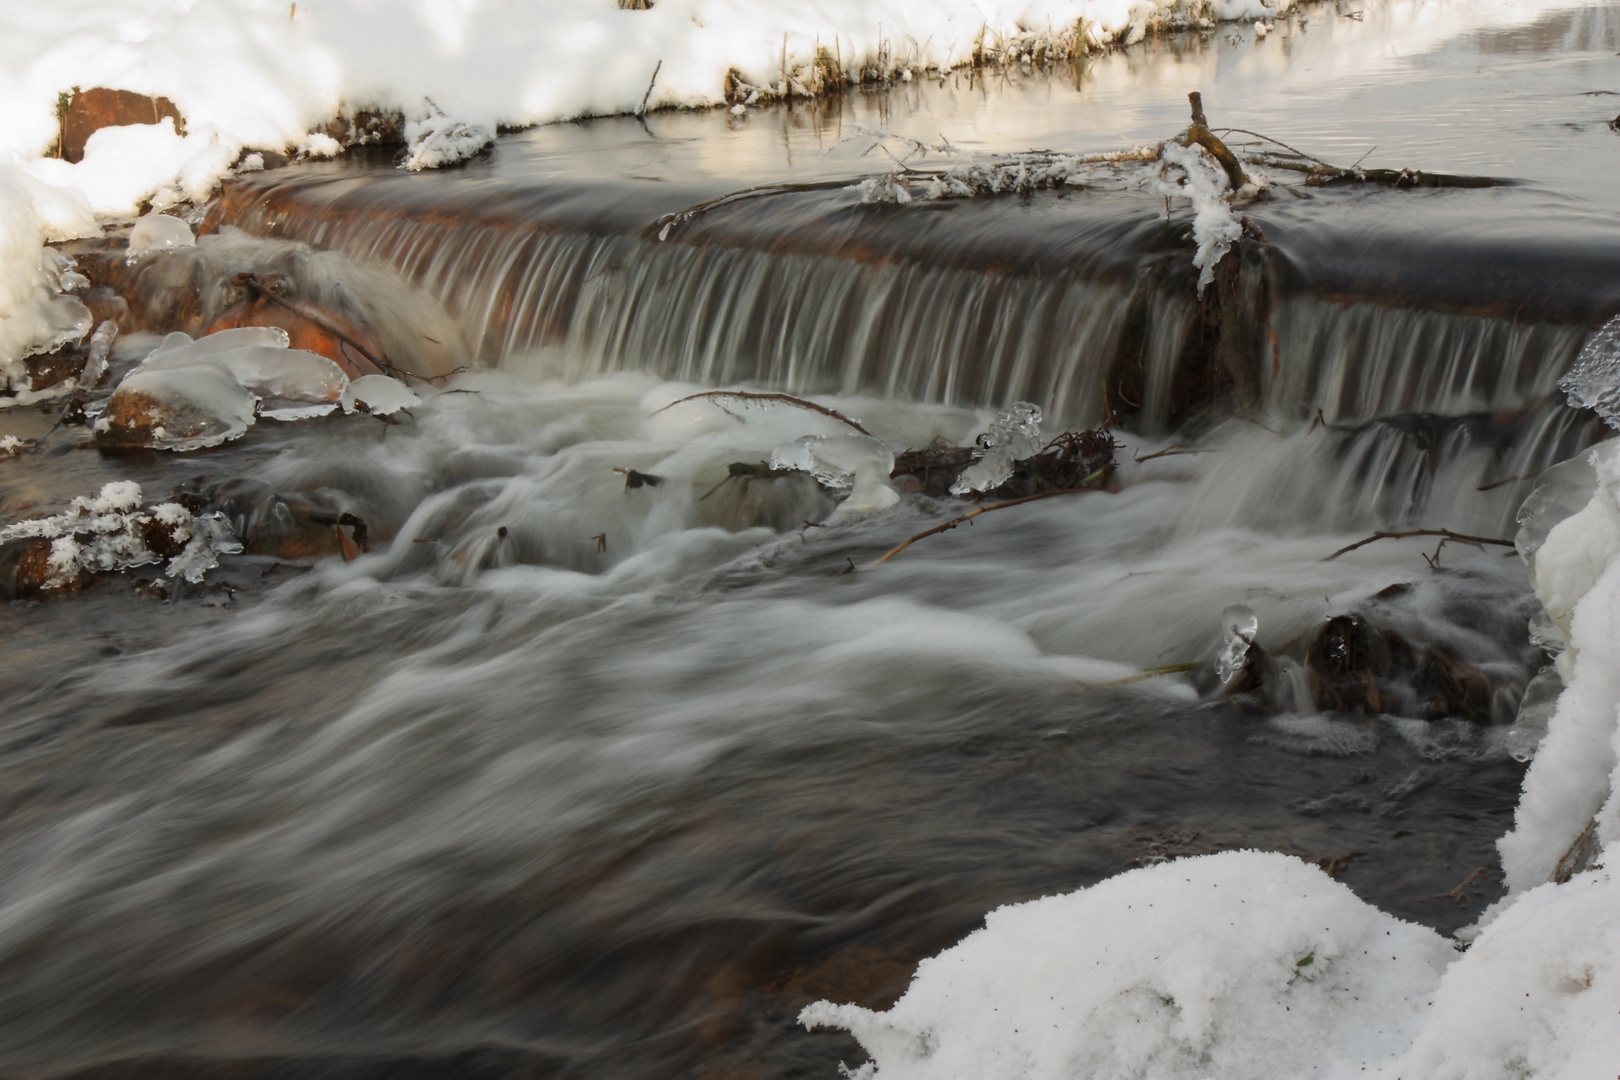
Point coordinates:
[[1360, 361], [1427, 413]]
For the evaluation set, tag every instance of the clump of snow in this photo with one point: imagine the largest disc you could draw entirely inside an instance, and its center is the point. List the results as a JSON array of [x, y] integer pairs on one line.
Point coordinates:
[[10, 446], [158, 232], [112, 531], [1192, 172], [381, 395], [1243, 964], [858, 464], [442, 140], [35, 315], [1013, 435]]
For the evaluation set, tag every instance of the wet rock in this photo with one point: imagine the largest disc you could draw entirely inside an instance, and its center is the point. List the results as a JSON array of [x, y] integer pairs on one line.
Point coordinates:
[[24, 568], [1342, 662], [175, 409], [309, 329], [292, 526]]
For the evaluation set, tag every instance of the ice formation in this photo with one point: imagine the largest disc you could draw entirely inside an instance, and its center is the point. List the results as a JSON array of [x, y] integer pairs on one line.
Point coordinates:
[[1594, 382], [1012, 436], [177, 408], [113, 531], [858, 464], [380, 395], [1239, 624], [35, 315], [158, 232]]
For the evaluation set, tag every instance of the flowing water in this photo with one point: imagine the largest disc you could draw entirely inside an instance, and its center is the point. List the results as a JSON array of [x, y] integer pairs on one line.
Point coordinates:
[[571, 778]]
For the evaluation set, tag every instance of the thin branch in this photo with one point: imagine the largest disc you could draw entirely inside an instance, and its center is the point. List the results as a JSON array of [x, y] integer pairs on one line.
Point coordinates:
[[1285, 146], [789, 399], [1173, 450], [1461, 538], [650, 84], [954, 522]]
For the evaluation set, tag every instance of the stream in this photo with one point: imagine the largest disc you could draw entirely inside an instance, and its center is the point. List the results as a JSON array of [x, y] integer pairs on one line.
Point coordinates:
[[572, 778]]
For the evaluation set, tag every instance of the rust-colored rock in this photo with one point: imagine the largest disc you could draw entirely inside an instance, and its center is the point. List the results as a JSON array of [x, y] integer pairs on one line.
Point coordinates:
[[24, 568], [91, 110], [311, 330]]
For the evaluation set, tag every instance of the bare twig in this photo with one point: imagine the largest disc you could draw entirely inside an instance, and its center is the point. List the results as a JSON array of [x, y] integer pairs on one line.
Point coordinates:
[[1460, 538], [954, 522], [789, 399], [650, 84], [1173, 450]]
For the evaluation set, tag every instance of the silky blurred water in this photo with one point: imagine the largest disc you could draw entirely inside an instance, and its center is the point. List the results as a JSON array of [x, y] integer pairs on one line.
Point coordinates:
[[618, 790]]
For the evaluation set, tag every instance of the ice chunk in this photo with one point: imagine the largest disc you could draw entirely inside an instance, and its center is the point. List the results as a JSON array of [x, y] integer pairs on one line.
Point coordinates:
[[288, 374], [1536, 708], [1594, 382], [183, 408], [858, 464], [206, 538], [179, 350], [1240, 625], [1559, 493], [1013, 436], [158, 232], [379, 394]]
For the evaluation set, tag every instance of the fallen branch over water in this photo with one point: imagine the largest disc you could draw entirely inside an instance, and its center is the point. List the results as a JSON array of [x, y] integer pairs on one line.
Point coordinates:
[[1461, 538], [954, 522], [789, 399]]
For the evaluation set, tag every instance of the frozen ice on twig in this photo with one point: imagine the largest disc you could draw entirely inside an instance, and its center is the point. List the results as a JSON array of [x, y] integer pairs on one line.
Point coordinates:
[[1215, 227], [1012, 436], [858, 464], [1239, 624], [1594, 382], [380, 395]]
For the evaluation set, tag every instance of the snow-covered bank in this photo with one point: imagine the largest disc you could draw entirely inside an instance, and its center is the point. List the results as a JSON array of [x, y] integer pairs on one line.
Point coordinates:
[[253, 74]]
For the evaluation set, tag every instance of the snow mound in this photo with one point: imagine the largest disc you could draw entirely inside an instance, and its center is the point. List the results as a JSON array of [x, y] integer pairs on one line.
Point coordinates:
[[1242, 964], [442, 140]]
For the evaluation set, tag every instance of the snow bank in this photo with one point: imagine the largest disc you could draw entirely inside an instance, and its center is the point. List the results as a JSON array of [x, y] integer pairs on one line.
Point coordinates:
[[1241, 964], [34, 314], [1254, 965]]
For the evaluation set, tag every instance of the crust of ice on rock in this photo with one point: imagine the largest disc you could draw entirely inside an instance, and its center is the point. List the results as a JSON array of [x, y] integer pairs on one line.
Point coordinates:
[[104, 532], [158, 232], [189, 407]]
